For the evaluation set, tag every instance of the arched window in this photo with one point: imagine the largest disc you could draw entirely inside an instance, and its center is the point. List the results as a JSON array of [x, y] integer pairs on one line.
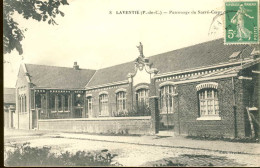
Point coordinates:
[[167, 98], [103, 105], [208, 102], [22, 102], [142, 97], [89, 105], [121, 101]]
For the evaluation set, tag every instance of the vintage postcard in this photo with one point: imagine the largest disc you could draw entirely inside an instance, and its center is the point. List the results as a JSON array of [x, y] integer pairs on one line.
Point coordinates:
[[131, 83]]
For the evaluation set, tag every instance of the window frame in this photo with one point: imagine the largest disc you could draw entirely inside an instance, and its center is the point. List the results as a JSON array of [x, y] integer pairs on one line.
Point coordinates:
[[103, 104], [142, 94], [52, 103], [22, 104], [167, 97], [89, 103], [66, 97], [56, 99], [121, 101], [60, 103], [210, 99]]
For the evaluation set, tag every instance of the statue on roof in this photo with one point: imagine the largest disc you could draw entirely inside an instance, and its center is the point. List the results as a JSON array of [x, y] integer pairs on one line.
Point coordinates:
[[140, 48]]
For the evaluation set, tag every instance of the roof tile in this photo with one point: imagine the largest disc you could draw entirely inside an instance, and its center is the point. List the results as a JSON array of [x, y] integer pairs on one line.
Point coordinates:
[[199, 55], [44, 76]]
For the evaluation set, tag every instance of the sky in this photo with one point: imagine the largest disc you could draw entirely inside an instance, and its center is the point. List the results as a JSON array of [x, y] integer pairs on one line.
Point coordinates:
[[91, 36]]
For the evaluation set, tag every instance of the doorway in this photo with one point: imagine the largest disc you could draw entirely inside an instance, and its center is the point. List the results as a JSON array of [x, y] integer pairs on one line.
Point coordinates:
[[78, 113], [166, 124]]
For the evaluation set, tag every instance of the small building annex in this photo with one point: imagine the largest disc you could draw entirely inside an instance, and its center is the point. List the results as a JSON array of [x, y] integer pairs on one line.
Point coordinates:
[[205, 89], [9, 107]]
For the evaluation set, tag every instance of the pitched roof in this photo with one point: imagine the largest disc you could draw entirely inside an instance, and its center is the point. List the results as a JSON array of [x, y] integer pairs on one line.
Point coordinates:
[[9, 95], [199, 55], [44, 76], [112, 74]]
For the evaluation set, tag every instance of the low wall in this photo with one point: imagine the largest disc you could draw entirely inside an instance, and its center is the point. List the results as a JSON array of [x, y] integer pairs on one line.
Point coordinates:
[[108, 125]]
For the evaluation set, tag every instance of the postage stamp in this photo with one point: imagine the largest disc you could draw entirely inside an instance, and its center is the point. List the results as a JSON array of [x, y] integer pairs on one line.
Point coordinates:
[[241, 22]]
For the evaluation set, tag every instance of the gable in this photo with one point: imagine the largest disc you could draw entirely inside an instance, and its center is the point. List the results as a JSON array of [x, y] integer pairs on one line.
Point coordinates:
[[22, 80], [141, 76]]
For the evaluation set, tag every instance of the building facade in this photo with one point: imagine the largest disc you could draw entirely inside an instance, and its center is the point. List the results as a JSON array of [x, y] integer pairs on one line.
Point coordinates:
[[209, 89], [9, 107]]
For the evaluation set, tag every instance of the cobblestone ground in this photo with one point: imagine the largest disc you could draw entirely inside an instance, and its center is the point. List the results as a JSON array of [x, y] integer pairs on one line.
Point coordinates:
[[136, 154], [196, 160]]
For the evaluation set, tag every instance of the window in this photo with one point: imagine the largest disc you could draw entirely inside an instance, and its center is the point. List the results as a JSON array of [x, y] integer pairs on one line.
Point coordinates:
[[103, 105], [167, 98], [59, 102], [121, 101], [142, 97], [89, 105], [52, 102], [20, 104], [66, 102], [38, 100], [208, 102]]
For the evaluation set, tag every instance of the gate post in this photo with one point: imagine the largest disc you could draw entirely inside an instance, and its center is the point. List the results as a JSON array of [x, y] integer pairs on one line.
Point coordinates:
[[155, 116]]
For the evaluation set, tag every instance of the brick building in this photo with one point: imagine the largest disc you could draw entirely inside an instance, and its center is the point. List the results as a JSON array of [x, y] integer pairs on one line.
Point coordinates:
[[209, 89]]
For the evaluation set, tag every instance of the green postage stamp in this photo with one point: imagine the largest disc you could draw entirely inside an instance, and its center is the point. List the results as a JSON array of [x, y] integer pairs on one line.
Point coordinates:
[[241, 22]]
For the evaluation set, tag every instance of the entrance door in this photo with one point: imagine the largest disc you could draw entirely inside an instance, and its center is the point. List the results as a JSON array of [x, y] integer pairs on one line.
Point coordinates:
[[166, 112], [78, 113], [166, 126]]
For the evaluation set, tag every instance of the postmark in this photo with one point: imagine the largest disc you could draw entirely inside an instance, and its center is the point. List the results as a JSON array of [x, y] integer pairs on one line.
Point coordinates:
[[241, 22]]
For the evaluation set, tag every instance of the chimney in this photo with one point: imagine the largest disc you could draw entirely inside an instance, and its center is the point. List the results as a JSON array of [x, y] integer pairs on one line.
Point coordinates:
[[75, 66]]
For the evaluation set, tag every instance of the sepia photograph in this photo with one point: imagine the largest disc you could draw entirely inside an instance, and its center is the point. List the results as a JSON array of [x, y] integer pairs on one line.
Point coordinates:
[[140, 83]]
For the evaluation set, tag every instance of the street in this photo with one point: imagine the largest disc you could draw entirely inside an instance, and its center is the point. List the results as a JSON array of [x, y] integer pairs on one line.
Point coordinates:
[[143, 150]]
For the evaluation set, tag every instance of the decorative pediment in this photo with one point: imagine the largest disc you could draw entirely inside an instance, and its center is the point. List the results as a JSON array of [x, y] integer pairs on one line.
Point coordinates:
[[143, 71]]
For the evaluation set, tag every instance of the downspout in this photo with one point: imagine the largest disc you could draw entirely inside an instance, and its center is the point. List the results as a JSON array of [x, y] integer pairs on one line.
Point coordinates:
[[234, 108]]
